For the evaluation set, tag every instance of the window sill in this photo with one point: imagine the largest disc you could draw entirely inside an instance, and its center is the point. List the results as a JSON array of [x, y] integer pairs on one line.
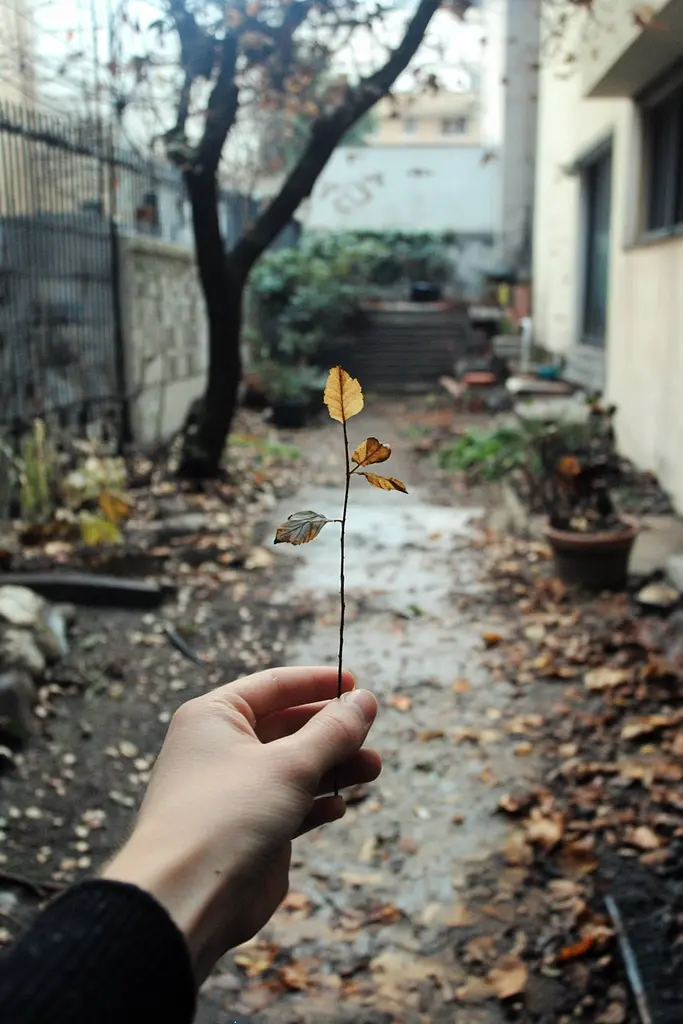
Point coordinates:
[[649, 238]]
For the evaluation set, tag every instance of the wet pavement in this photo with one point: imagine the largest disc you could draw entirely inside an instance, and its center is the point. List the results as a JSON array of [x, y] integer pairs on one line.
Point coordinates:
[[378, 896]]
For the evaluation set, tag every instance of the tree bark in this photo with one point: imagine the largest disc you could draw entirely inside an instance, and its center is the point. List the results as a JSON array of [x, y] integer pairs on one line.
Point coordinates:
[[222, 283]]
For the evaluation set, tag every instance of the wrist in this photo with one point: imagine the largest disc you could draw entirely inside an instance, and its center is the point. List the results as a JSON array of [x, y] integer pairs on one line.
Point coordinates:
[[185, 882]]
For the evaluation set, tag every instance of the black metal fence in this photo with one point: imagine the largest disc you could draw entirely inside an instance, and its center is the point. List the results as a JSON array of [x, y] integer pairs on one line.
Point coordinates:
[[66, 194]]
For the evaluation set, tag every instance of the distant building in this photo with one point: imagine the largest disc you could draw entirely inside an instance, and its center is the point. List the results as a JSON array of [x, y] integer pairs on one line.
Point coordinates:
[[17, 63], [608, 233], [428, 119]]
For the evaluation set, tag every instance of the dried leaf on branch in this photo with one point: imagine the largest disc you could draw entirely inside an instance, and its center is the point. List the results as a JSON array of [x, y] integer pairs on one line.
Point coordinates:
[[300, 528], [385, 483], [343, 395], [370, 451]]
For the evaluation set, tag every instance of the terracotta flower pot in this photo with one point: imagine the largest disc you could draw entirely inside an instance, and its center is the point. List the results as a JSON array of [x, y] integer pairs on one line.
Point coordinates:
[[595, 561]]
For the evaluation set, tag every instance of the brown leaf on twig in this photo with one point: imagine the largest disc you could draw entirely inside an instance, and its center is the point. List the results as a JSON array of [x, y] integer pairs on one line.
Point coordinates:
[[343, 395], [371, 451], [385, 483]]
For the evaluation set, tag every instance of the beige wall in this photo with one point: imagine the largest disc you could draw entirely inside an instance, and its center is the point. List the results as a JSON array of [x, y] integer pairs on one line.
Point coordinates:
[[643, 359], [164, 328], [427, 112]]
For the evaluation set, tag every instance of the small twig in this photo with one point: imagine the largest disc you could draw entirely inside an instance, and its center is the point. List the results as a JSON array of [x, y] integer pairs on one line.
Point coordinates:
[[342, 591], [630, 962], [186, 649]]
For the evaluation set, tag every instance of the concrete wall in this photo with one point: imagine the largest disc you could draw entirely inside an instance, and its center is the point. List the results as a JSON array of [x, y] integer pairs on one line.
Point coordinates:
[[164, 327], [641, 367]]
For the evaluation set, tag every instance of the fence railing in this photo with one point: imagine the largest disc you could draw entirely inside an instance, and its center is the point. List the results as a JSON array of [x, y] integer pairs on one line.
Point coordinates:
[[67, 193]]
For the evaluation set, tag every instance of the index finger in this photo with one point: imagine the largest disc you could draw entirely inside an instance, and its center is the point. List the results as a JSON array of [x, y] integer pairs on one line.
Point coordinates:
[[279, 688]]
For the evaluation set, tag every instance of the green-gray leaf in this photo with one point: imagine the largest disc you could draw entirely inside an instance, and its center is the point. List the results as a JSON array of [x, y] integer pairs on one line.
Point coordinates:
[[300, 528]]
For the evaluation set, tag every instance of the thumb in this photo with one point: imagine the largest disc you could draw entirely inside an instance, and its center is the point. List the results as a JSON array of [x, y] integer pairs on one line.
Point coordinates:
[[335, 733]]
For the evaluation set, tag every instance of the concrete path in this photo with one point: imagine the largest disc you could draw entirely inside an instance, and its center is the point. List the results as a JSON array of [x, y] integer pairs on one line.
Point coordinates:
[[402, 855]]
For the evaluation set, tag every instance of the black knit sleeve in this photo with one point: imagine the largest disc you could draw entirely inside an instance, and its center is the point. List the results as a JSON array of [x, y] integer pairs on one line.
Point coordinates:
[[103, 953]]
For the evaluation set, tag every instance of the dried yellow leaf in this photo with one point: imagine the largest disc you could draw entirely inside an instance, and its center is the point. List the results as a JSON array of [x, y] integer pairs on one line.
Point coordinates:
[[370, 451], [343, 395], [115, 506], [385, 483]]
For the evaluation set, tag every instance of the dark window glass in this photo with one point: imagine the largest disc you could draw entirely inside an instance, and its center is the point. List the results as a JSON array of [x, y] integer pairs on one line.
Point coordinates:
[[664, 163], [597, 182]]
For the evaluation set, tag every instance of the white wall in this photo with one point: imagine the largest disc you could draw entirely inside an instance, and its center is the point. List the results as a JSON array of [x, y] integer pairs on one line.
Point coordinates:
[[643, 359], [406, 189]]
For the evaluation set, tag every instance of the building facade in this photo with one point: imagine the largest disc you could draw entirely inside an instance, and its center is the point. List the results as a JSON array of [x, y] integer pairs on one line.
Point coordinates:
[[608, 231]]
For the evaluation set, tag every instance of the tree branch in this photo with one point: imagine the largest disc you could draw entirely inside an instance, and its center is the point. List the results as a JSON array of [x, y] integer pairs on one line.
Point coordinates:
[[222, 108], [326, 133]]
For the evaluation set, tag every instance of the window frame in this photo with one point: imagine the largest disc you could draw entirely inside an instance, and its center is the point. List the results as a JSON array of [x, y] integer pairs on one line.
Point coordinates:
[[587, 166], [457, 118], [667, 90]]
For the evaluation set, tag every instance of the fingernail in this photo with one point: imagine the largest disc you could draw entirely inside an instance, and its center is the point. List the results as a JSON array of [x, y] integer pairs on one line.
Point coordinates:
[[364, 701]]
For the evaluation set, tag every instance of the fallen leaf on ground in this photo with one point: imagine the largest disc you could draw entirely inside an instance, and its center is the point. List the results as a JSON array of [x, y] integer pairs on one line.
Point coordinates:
[[431, 734], [509, 977], [400, 702], [645, 838], [577, 949], [294, 977], [524, 749], [491, 639], [480, 949], [388, 913], [459, 917], [614, 1014], [255, 962], [258, 558], [512, 804], [545, 830], [637, 727], [296, 901], [517, 851], [475, 990], [461, 686], [606, 678]]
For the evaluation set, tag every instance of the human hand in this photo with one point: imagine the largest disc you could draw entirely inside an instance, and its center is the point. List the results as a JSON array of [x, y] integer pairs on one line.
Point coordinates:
[[243, 771]]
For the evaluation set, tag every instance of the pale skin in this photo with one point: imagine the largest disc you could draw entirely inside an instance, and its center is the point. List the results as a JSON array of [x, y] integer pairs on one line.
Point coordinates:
[[243, 771]]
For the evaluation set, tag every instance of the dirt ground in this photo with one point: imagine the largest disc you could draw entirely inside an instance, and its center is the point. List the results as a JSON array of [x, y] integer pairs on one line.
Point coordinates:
[[418, 907]]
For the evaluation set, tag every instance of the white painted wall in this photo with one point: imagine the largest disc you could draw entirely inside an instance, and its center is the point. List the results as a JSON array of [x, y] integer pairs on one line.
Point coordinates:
[[401, 188], [643, 360]]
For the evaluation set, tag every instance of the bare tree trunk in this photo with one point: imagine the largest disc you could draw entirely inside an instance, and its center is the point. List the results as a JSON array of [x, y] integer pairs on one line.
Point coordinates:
[[222, 283]]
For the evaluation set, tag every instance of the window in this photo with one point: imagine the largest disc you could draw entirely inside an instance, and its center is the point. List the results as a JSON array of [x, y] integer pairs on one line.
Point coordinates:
[[409, 125], [597, 202], [663, 131], [454, 126]]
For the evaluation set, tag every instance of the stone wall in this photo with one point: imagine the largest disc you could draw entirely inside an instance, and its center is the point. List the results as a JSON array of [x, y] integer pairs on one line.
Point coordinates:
[[164, 329]]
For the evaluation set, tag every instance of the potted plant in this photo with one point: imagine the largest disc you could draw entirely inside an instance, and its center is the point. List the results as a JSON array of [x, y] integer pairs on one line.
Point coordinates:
[[578, 465], [288, 390]]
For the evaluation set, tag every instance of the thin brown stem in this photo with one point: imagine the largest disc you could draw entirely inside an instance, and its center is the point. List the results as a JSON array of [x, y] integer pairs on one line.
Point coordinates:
[[342, 593]]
